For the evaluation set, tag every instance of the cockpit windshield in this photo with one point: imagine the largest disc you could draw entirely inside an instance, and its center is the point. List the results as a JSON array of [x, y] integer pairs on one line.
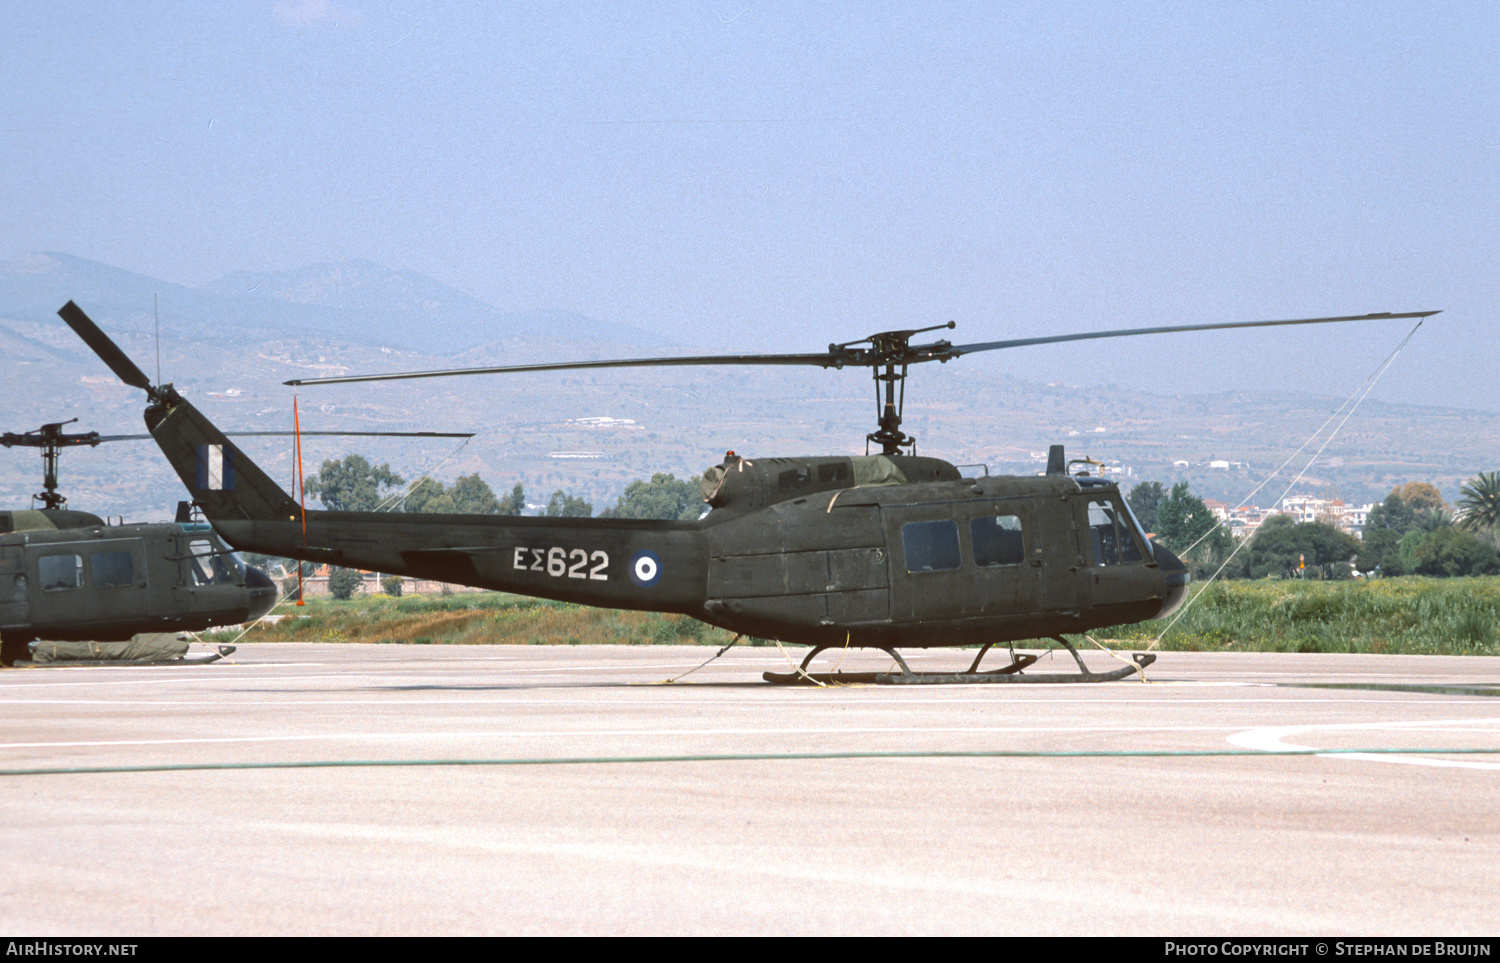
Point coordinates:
[[1114, 539], [213, 565]]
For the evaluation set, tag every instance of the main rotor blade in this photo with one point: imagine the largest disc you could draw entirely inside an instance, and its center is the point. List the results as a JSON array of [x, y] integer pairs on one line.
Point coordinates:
[[840, 356], [823, 359], [107, 350], [308, 434], [357, 434], [958, 350]]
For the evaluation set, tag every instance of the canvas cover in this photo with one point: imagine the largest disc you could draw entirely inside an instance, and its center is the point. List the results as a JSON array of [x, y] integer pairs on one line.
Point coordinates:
[[708, 485], [146, 647], [872, 470]]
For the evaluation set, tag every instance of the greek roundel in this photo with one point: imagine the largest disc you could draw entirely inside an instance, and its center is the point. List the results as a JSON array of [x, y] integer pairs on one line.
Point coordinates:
[[645, 569], [215, 468]]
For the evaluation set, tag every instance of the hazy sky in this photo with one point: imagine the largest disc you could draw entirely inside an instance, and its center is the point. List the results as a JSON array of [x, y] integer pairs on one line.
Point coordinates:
[[765, 176]]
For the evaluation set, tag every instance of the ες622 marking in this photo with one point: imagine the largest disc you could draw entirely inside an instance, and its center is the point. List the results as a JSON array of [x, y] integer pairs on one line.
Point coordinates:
[[563, 563]]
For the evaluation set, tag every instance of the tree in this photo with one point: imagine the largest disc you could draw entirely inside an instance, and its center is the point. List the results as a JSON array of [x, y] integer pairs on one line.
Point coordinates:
[[1479, 506], [662, 497], [391, 585], [1447, 552], [1421, 497], [1413, 507], [1182, 520], [1281, 545], [1145, 500], [428, 496], [1382, 533], [515, 502], [472, 496], [344, 582], [352, 485], [563, 505]]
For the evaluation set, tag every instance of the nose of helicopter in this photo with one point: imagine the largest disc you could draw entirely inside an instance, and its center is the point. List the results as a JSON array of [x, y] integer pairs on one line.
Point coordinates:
[[262, 591], [1176, 576]]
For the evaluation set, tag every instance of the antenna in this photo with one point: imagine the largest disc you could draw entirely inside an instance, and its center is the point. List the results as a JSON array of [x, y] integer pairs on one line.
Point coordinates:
[[156, 309]]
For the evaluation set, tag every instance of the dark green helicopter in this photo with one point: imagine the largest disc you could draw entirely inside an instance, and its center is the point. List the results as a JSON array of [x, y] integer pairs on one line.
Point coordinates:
[[68, 577], [884, 551]]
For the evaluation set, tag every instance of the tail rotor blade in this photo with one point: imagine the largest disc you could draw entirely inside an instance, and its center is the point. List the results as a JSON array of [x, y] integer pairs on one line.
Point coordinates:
[[107, 350]]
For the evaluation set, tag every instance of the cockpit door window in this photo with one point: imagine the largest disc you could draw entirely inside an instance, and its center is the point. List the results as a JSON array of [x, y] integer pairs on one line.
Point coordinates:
[[1111, 535]]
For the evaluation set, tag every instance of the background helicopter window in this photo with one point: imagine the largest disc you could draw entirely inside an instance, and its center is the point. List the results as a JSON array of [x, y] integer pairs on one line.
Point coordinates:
[[60, 572], [111, 569], [930, 546], [997, 540], [210, 565], [1113, 543]]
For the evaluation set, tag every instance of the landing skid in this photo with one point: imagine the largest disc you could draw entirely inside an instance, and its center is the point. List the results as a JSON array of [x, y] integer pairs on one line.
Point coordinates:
[[1010, 673]]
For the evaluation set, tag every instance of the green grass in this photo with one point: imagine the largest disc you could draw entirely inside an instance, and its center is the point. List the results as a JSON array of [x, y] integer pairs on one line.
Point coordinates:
[[493, 618], [1413, 615]]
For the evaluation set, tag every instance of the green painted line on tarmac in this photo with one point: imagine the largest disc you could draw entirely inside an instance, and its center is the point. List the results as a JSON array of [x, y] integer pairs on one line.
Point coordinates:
[[743, 757]]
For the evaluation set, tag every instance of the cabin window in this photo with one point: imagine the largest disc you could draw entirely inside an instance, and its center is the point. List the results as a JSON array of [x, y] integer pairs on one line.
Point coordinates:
[[59, 572], [18, 589], [997, 540], [1110, 534], [111, 569], [930, 546], [793, 479], [834, 474]]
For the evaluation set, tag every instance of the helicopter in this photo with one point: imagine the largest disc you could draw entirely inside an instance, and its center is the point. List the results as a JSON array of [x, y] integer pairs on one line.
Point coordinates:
[[886, 551], [70, 578]]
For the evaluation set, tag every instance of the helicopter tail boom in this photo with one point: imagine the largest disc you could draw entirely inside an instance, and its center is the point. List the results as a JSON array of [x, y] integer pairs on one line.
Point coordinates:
[[618, 563]]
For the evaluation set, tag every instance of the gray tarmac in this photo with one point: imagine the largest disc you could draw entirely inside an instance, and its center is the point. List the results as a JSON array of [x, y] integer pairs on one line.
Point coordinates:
[[599, 801]]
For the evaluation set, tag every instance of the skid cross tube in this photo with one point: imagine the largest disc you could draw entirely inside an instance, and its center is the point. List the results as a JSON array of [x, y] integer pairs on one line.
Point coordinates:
[[1012, 673]]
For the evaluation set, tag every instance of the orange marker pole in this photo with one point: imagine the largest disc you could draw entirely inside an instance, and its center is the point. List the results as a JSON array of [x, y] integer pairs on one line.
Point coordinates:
[[301, 491]]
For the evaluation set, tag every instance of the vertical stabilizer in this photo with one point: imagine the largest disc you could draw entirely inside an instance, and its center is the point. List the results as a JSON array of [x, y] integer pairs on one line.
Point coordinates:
[[222, 480]]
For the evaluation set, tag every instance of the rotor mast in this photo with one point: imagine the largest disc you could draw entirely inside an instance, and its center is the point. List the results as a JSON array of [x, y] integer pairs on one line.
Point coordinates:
[[51, 440], [891, 350]]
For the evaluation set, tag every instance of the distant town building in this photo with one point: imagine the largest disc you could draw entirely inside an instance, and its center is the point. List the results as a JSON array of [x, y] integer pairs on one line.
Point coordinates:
[[1333, 511], [604, 421]]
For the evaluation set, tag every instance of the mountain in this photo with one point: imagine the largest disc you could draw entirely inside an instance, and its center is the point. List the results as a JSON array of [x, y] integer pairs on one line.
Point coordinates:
[[33, 286], [404, 309], [349, 301]]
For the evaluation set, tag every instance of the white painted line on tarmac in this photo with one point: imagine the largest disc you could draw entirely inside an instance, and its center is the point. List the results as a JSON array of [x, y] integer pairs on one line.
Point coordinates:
[[1271, 739]]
